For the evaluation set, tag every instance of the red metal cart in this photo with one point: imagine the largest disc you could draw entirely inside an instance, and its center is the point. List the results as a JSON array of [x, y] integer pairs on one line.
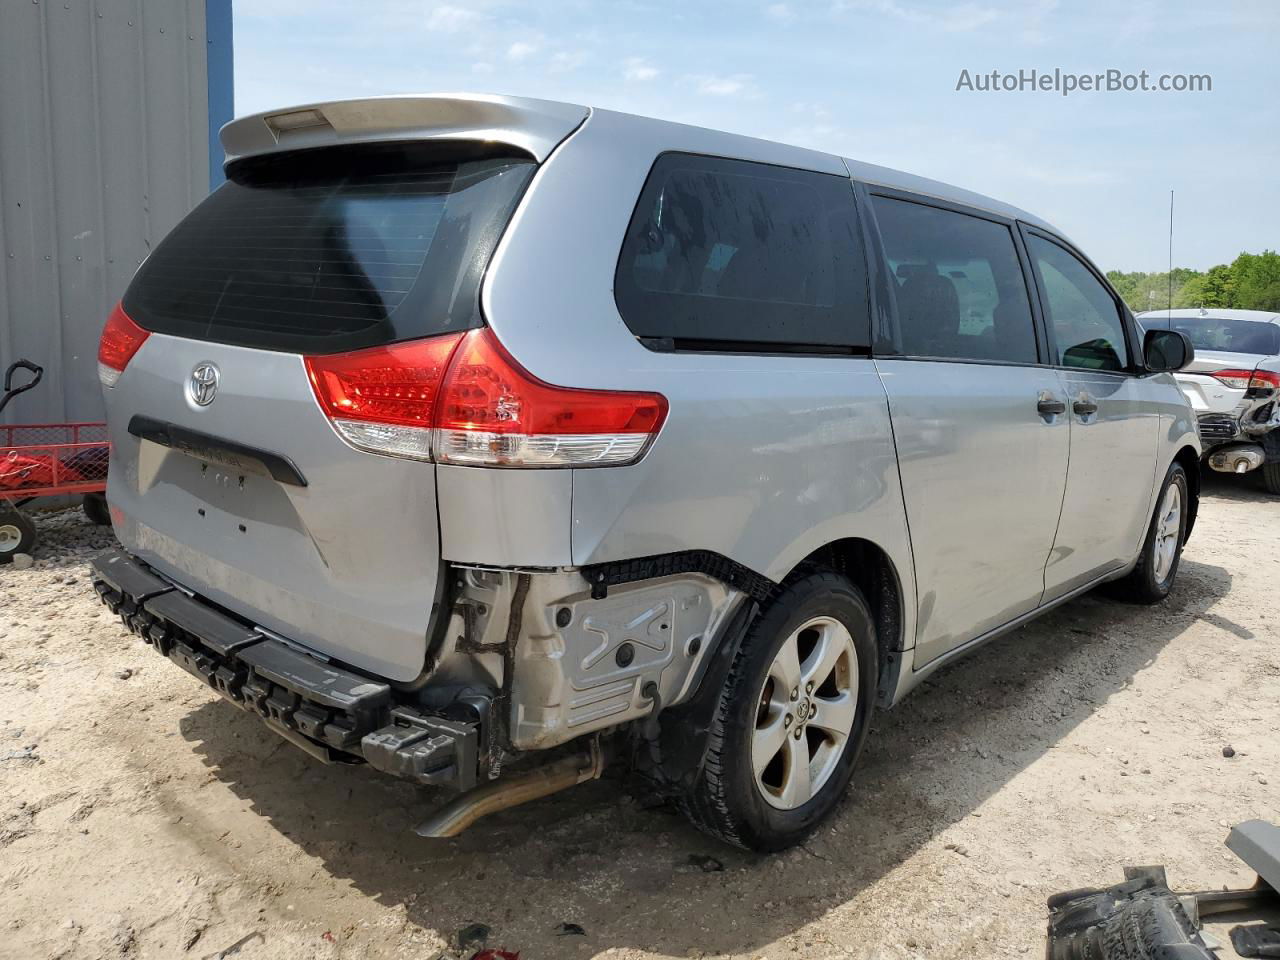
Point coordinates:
[[46, 460]]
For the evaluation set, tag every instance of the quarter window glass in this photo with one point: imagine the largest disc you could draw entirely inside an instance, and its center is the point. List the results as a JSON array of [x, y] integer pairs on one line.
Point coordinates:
[[961, 293], [1084, 316], [725, 251]]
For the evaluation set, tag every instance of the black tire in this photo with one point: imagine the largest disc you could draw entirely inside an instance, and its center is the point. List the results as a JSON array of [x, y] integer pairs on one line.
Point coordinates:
[[725, 800], [1143, 585], [1122, 923], [17, 533], [1270, 473], [95, 508]]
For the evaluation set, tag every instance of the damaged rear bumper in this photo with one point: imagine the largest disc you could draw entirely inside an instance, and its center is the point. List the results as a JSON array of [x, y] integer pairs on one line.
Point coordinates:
[[331, 712]]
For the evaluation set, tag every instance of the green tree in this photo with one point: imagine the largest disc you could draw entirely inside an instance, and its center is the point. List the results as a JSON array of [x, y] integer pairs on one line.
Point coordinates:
[[1216, 288], [1250, 282], [1150, 291], [1256, 277]]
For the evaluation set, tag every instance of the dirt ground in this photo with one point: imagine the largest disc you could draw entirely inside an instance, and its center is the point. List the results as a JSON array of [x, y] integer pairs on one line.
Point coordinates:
[[141, 816]]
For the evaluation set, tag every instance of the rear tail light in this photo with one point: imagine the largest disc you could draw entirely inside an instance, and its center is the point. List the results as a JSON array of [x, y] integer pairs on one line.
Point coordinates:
[[1249, 379], [494, 412], [383, 399], [121, 338], [463, 399]]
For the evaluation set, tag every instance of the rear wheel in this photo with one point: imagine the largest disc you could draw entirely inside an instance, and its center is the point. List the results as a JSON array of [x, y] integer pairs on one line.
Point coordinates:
[[1271, 477], [17, 533], [792, 718], [1152, 579]]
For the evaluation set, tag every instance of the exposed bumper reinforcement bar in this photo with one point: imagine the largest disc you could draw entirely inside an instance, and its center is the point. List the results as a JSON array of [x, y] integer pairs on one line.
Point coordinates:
[[332, 713]]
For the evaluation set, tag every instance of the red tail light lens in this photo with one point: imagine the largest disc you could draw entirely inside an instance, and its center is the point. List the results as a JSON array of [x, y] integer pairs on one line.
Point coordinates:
[[383, 399], [494, 412], [463, 399], [1248, 379], [121, 338]]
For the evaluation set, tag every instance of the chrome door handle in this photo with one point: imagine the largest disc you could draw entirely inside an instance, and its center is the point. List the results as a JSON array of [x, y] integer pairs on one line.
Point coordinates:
[[1048, 405], [1084, 406]]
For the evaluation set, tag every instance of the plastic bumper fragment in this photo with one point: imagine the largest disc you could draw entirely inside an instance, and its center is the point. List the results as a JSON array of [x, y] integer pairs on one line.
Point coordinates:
[[332, 713]]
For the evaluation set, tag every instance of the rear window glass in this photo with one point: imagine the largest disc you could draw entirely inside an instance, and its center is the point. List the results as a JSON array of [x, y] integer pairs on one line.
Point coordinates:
[[1227, 336], [725, 252], [334, 249]]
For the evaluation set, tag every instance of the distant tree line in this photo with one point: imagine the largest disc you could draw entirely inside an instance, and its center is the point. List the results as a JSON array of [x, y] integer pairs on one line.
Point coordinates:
[[1250, 282]]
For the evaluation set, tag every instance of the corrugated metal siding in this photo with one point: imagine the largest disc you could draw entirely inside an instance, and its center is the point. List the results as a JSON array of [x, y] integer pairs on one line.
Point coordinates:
[[104, 145]]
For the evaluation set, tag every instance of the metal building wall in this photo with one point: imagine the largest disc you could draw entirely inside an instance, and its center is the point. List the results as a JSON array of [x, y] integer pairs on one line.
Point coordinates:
[[106, 113]]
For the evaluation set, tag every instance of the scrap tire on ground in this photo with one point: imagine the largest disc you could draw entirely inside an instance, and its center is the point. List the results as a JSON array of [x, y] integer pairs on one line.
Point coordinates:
[[1270, 473], [1136, 920], [17, 533]]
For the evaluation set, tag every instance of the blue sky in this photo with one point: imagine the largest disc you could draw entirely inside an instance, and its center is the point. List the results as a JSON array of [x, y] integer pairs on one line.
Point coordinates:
[[870, 79]]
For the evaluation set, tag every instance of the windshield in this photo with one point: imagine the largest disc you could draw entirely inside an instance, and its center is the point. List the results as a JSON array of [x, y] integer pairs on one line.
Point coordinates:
[[1226, 336]]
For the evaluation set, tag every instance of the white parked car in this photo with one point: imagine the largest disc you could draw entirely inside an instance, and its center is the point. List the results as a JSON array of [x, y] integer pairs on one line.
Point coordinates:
[[1233, 385]]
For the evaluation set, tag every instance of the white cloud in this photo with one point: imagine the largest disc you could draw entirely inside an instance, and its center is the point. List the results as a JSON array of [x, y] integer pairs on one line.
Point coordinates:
[[779, 11], [638, 69], [567, 60], [815, 110], [957, 19], [716, 86], [521, 50], [449, 19], [1036, 16]]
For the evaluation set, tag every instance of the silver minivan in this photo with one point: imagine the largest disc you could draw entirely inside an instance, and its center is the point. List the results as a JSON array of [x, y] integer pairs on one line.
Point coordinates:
[[485, 440]]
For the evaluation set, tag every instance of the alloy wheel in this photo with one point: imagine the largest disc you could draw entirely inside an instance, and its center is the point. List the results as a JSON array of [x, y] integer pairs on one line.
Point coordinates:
[[1168, 532], [806, 712]]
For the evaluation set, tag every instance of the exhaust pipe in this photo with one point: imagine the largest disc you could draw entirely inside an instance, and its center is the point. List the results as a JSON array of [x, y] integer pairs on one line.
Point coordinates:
[[463, 811], [1237, 458]]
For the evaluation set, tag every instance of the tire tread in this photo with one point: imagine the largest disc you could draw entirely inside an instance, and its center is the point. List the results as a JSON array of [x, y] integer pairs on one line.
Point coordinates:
[[706, 805]]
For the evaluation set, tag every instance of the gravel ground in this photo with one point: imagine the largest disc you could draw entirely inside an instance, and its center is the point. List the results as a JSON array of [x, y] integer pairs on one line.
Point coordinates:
[[140, 816]]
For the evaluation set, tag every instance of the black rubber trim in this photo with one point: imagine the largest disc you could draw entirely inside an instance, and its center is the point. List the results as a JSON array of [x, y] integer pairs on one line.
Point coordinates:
[[601, 576], [228, 453], [750, 347]]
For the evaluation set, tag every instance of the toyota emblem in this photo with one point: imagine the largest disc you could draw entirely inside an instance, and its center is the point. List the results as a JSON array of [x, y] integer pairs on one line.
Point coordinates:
[[203, 385]]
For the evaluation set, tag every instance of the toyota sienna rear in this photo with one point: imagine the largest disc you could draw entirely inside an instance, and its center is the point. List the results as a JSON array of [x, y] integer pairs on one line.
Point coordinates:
[[486, 440]]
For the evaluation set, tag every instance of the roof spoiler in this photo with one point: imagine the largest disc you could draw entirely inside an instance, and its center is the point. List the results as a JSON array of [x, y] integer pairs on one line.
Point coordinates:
[[535, 126]]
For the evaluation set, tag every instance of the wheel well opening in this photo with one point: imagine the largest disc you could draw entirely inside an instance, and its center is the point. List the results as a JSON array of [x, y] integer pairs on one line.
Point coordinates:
[[1190, 461], [873, 573]]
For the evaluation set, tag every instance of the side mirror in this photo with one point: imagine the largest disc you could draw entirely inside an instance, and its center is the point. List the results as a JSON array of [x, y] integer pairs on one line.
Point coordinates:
[[1167, 350]]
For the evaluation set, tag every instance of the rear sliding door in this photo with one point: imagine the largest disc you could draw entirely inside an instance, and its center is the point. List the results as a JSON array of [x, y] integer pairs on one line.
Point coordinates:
[[979, 423]]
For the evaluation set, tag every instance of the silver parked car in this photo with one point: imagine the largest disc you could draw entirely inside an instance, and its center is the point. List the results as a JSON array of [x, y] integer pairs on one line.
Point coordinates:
[[486, 439], [1233, 385]]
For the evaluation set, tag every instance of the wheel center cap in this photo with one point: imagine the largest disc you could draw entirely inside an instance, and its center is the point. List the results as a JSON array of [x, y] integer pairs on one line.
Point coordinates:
[[802, 711]]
